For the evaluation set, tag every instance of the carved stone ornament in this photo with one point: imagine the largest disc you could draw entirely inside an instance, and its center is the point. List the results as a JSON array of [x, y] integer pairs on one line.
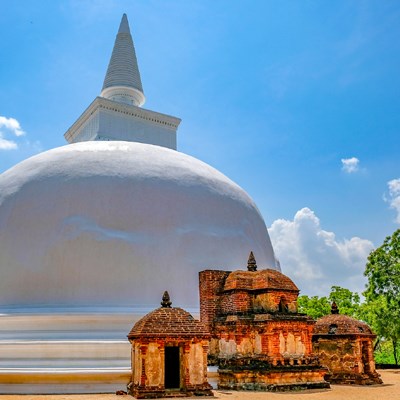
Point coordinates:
[[251, 262], [334, 309], [166, 301]]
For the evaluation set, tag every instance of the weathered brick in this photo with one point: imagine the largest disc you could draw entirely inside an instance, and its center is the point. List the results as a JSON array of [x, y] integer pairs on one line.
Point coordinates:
[[256, 330]]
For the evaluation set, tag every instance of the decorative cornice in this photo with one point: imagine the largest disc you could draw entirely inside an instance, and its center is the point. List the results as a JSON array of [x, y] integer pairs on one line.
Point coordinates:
[[101, 103]]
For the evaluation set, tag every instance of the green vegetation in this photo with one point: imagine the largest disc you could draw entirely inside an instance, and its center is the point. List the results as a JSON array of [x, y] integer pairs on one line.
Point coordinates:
[[381, 308], [347, 301], [384, 352], [316, 307]]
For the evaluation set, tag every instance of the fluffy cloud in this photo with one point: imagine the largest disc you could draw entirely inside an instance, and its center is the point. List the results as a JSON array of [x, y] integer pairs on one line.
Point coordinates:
[[394, 196], [314, 258], [9, 125], [350, 165], [7, 144]]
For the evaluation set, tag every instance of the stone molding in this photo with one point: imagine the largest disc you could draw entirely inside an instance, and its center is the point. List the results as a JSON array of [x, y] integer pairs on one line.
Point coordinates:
[[100, 103]]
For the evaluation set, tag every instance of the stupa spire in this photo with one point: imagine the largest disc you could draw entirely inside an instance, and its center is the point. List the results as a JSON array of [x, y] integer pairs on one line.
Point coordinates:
[[116, 113], [122, 82], [124, 25]]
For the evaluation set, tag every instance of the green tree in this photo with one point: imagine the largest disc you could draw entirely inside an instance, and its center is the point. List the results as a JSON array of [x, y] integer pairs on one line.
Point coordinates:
[[347, 301], [384, 323], [382, 308], [314, 306]]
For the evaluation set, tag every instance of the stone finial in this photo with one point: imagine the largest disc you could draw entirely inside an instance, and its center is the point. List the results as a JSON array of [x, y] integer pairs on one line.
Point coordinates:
[[251, 263], [166, 301], [334, 308]]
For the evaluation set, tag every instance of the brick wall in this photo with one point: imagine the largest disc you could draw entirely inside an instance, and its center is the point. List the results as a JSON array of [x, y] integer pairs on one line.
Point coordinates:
[[211, 283], [269, 301], [235, 302], [349, 358]]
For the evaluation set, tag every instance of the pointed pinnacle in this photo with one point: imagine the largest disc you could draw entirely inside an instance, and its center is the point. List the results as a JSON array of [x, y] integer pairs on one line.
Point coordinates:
[[251, 263], [334, 309], [166, 301], [124, 25], [123, 68]]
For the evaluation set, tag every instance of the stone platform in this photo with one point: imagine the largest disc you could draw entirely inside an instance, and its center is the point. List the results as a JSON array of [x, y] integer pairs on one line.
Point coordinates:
[[65, 351], [63, 380], [248, 373]]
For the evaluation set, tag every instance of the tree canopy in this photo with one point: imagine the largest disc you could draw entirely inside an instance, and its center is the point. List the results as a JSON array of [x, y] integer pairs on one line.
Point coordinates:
[[381, 308], [382, 294], [347, 301], [316, 307]]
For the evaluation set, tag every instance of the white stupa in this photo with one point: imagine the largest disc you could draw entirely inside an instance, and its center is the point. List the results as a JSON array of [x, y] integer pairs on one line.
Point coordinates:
[[92, 232]]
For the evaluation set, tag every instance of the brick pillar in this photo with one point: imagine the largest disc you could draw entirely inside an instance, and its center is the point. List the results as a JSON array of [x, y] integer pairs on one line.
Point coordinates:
[[204, 344], [211, 283], [186, 364], [132, 360], [308, 339], [143, 351], [370, 355], [161, 347]]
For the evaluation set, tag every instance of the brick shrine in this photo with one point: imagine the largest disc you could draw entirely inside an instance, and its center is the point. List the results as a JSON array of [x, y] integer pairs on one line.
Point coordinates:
[[258, 339], [169, 354], [345, 346]]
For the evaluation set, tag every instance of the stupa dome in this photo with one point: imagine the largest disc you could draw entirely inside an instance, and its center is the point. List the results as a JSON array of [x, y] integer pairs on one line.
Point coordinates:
[[340, 324], [112, 223], [259, 280], [168, 322]]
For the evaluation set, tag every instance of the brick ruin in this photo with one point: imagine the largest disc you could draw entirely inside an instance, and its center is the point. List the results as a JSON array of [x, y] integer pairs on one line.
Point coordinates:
[[258, 339], [251, 329], [169, 354], [345, 346]]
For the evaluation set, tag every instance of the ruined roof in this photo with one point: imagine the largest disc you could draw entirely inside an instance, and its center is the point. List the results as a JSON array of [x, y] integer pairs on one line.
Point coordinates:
[[337, 324], [259, 280], [168, 322]]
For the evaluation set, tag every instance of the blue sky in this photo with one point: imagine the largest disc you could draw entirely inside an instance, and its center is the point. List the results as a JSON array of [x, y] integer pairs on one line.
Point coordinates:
[[296, 101]]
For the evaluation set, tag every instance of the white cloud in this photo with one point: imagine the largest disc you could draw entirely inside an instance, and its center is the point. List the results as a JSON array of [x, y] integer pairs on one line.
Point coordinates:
[[350, 165], [10, 125], [314, 258], [394, 196], [7, 144]]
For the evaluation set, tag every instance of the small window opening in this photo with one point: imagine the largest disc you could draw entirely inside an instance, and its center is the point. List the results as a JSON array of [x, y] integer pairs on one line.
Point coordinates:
[[283, 307], [332, 329]]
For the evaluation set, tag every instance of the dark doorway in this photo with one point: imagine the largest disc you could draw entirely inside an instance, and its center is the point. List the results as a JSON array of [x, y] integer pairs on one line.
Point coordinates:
[[365, 358], [172, 368]]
